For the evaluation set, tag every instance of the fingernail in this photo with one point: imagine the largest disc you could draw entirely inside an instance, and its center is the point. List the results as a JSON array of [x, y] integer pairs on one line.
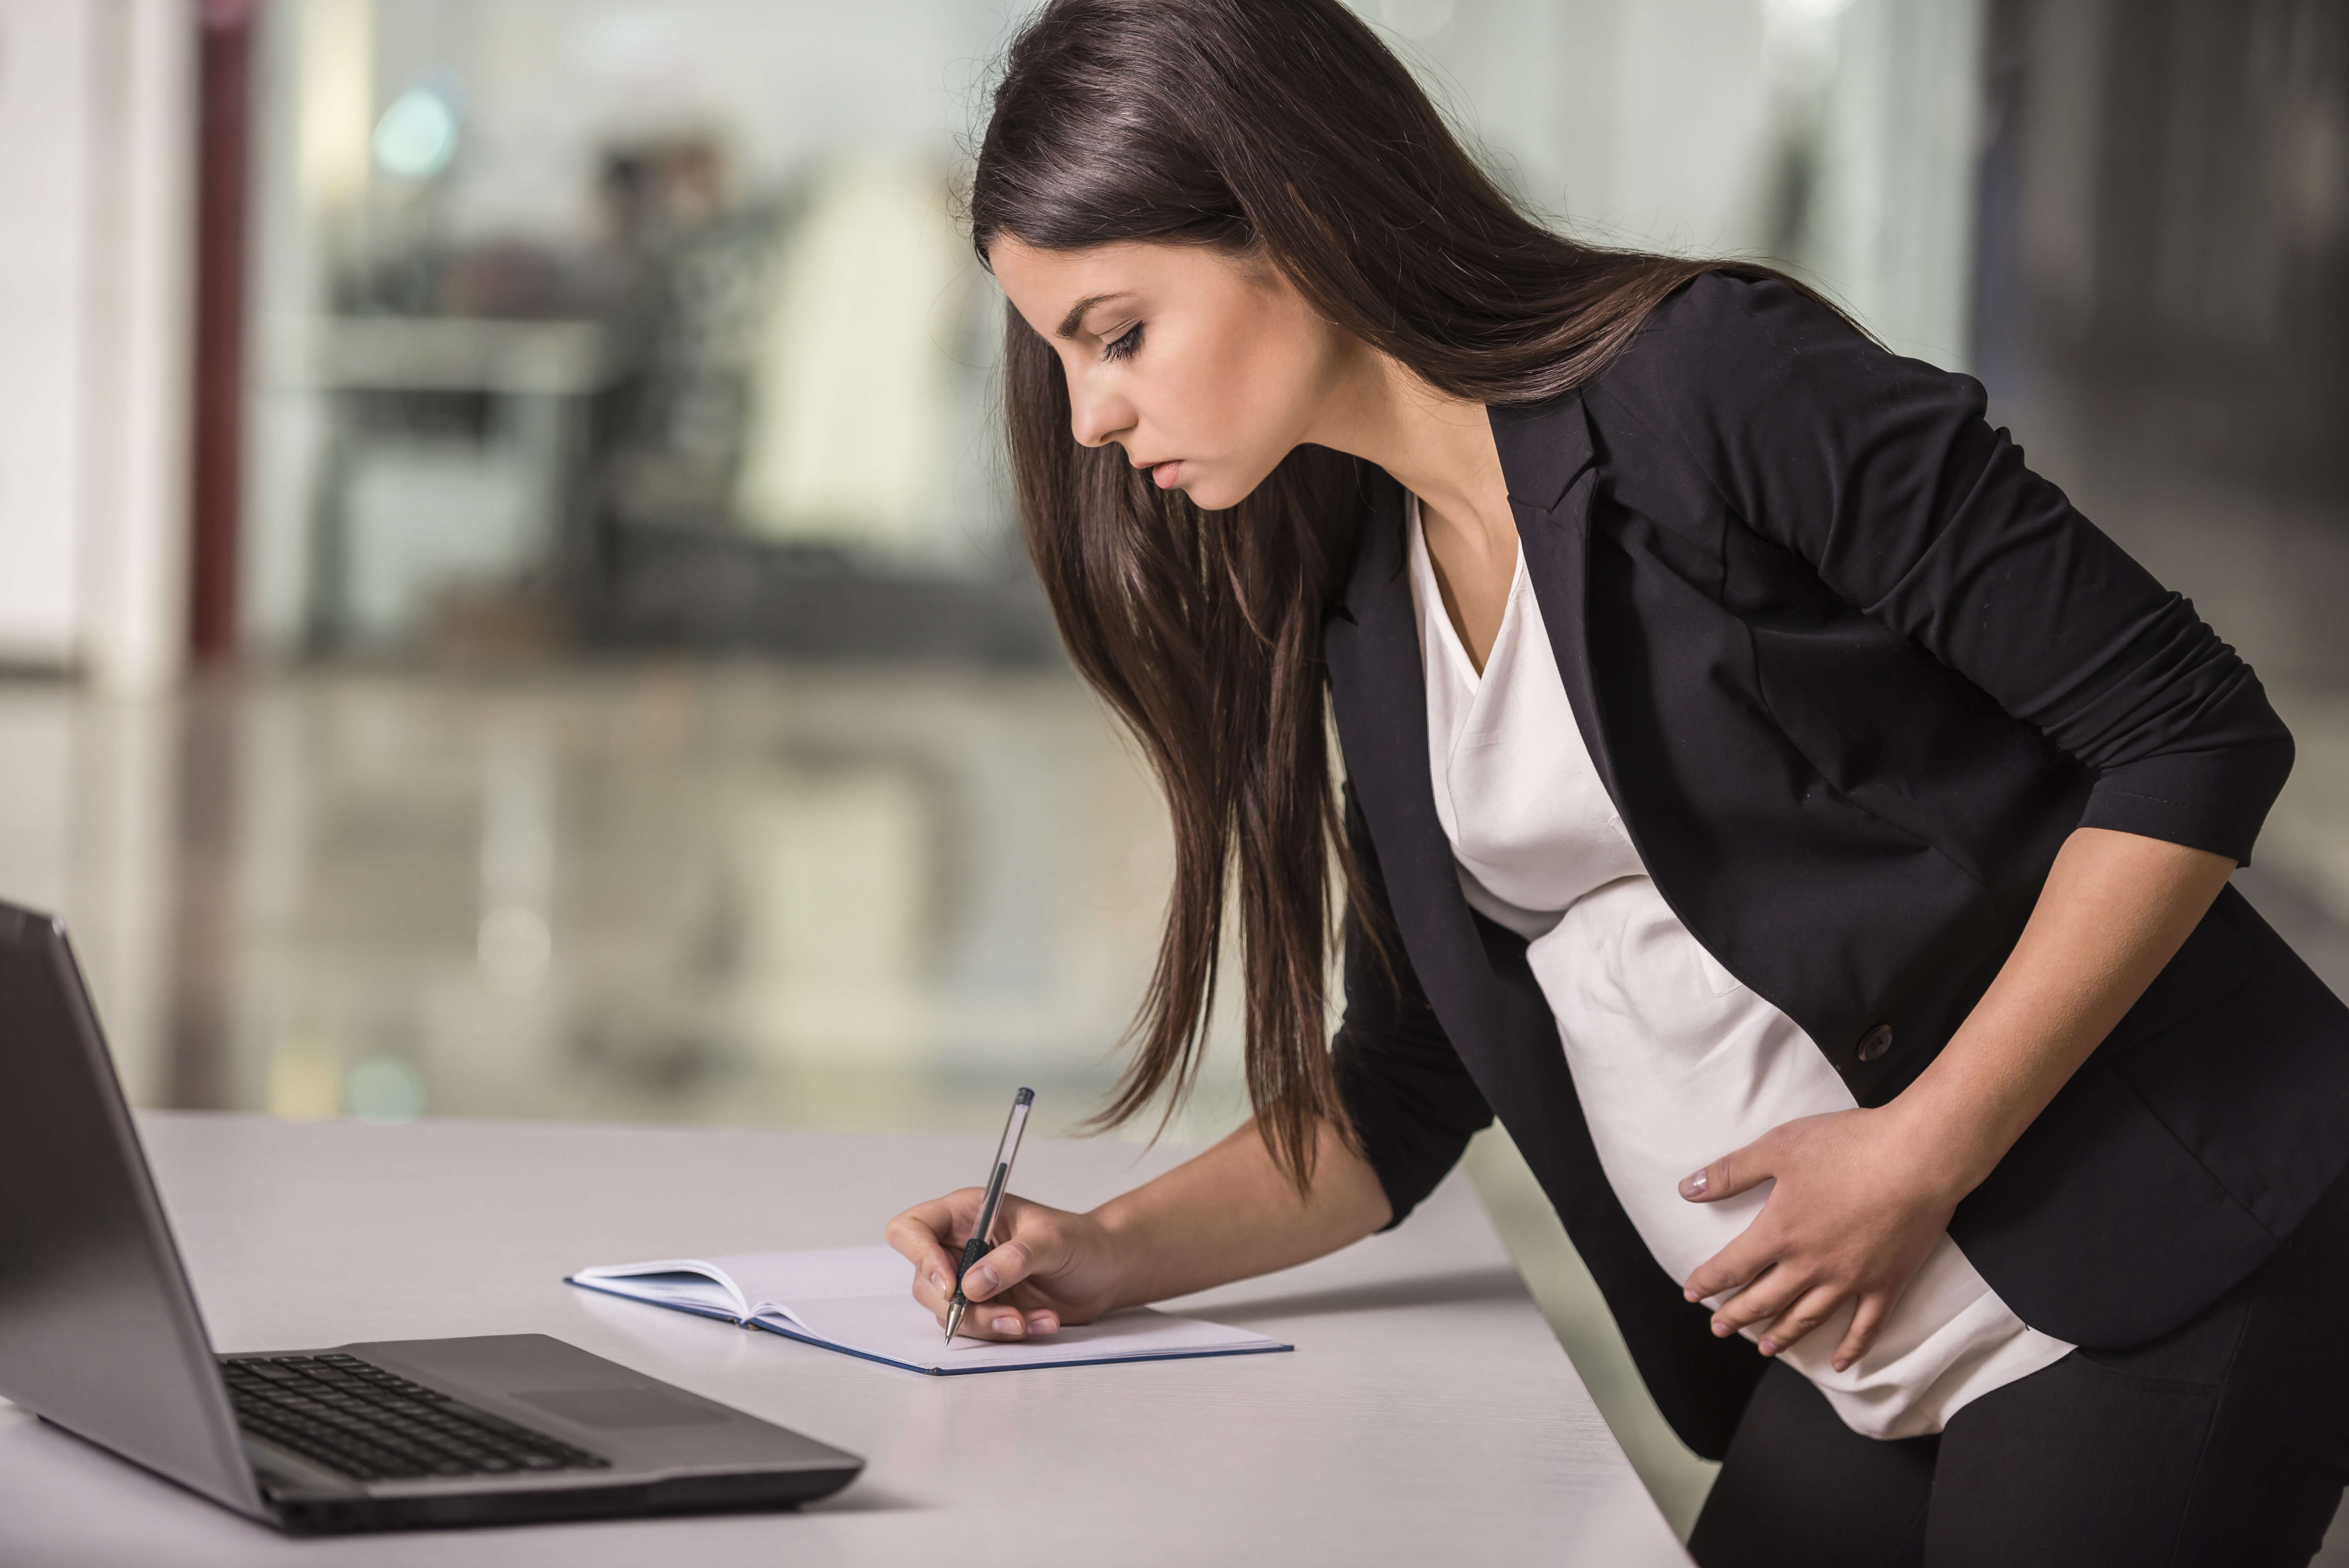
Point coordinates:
[[1693, 1186], [1691, 1295], [1719, 1328], [1841, 1365], [939, 1283], [1767, 1348], [980, 1281], [1007, 1325], [1044, 1325]]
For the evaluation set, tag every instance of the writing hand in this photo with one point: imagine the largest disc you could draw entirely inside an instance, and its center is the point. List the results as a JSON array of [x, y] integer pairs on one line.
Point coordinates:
[[1861, 1201], [1048, 1266]]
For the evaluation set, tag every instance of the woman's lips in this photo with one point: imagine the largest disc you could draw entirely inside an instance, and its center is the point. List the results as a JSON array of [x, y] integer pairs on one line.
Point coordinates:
[[1167, 473]]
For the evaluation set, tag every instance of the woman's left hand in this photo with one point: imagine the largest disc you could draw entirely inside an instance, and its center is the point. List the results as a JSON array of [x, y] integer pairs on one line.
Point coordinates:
[[1861, 1201]]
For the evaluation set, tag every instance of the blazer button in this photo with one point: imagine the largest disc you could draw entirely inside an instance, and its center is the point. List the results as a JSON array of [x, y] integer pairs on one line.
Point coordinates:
[[1876, 1042]]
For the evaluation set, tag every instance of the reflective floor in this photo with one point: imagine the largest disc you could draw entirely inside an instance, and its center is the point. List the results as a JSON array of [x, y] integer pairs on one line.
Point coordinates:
[[788, 896], [800, 897]]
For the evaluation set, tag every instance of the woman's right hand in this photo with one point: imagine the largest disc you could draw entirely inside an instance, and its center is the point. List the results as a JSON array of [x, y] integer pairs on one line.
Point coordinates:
[[1048, 1267]]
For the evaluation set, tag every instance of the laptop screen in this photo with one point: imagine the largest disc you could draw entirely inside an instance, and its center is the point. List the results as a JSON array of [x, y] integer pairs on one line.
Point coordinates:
[[99, 1331]]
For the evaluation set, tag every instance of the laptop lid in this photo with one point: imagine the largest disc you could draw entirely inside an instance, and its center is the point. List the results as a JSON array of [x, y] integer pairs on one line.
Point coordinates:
[[99, 1330]]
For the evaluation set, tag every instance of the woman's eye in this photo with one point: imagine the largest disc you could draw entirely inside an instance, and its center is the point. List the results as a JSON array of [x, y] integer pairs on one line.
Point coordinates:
[[1125, 346]]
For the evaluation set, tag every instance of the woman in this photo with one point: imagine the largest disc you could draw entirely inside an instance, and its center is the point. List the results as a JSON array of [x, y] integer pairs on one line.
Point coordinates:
[[1802, 827]]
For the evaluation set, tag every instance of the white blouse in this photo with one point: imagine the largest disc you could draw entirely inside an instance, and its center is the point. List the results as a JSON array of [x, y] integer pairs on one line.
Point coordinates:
[[1675, 1062]]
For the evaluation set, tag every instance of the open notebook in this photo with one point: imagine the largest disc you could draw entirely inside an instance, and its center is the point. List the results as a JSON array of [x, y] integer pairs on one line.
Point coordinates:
[[859, 1300]]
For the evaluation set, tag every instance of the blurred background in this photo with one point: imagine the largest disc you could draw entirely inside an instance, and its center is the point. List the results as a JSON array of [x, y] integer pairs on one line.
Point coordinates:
[[508, 604]]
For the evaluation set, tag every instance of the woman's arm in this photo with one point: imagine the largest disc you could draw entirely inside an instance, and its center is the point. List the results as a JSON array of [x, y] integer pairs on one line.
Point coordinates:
[[1231, 1213], [1883, 475], [1863, 1195], [1226, 1215]]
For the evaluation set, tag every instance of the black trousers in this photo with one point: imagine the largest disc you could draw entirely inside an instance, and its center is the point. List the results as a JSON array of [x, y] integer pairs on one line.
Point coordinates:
[[2223, 1442]]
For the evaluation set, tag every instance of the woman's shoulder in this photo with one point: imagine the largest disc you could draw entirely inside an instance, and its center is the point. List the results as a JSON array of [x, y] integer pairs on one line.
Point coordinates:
[[1731, 322], [1735, 351]]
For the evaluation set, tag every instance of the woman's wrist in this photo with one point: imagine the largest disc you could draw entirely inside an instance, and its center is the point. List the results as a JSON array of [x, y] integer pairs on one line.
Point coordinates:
[[1955, 1144], [1121, 1230], [2115, 909]]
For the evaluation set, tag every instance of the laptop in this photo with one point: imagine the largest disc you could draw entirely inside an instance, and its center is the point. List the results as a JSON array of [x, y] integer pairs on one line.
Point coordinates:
[[99, 1334]]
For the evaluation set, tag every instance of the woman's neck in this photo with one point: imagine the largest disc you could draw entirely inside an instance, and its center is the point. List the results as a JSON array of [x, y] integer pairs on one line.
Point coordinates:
[[1438, 447]]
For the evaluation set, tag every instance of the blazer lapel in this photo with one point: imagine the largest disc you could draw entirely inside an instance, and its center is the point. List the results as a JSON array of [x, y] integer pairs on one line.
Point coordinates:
[[1547, 459], [1377, 691]]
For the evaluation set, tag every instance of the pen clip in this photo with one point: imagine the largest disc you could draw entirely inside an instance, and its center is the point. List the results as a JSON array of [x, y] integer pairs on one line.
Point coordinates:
[[999, 1177]]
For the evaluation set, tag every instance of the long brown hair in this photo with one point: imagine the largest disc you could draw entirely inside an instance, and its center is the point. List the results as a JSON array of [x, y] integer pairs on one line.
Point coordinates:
[[1280, 129]]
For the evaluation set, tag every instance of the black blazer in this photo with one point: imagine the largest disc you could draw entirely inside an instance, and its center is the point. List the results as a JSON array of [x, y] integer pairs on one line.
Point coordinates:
[[1851, 673]]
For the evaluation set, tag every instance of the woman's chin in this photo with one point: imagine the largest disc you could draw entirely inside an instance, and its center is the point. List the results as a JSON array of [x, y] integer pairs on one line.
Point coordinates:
[[1210, 493]]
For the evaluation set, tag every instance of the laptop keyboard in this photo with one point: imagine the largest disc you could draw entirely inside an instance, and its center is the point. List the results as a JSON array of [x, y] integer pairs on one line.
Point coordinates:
[[373, 1425]]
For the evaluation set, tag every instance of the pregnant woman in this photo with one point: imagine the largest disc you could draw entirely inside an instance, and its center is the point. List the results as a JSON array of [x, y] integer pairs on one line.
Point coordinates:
[[1806, 831]]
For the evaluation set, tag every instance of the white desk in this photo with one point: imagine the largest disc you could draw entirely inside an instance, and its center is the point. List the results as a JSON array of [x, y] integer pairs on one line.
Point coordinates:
[[1427, 1416]]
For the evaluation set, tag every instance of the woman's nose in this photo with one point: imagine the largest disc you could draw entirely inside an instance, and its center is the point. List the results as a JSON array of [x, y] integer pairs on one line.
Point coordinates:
[[1096, 416]]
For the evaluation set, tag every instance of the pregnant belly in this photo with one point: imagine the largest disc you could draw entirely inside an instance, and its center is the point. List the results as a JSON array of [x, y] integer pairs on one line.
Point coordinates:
[[1677, 1064]]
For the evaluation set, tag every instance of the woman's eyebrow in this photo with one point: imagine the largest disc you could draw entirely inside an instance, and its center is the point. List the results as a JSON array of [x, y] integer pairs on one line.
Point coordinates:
[[1076, 318]]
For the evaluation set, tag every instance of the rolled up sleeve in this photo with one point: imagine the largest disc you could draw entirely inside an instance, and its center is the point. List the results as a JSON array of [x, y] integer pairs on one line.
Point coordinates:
[[1884, 474]]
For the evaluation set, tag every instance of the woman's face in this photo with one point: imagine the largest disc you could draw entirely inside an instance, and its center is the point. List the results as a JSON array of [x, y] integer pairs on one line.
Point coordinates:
[[1205, 369]]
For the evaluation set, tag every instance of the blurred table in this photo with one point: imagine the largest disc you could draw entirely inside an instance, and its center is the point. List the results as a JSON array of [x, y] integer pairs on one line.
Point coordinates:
[[1426, 1415], [382, 379], [458, 353]]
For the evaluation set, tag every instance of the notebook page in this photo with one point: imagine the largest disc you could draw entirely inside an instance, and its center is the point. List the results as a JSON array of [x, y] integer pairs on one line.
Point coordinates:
[[792, 1279], [859, 1299], [897, 1328], [690, 1282]]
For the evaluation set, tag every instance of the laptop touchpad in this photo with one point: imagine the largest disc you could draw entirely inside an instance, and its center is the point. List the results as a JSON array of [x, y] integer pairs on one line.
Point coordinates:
[[626, 1407]]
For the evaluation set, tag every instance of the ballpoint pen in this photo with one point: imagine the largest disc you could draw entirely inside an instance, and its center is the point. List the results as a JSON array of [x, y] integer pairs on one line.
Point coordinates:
[[976, 1248]]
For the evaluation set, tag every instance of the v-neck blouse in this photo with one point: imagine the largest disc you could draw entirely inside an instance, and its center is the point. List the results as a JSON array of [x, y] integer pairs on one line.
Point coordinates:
[[1675, 1062]]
